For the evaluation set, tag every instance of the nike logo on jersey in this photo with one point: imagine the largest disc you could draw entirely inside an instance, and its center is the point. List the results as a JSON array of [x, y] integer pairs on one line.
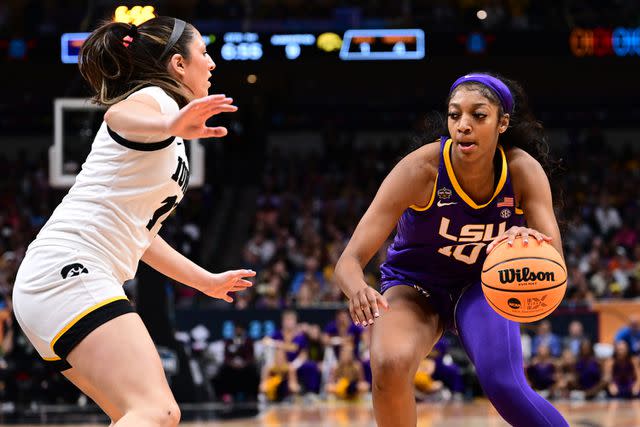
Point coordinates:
[[441, 203], [179, 143]]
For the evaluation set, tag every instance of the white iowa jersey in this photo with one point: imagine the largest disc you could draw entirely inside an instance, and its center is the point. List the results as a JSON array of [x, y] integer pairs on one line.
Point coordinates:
[[121, 197]]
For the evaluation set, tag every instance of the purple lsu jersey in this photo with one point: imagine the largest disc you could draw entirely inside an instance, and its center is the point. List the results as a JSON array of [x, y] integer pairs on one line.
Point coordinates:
[[443, 245]]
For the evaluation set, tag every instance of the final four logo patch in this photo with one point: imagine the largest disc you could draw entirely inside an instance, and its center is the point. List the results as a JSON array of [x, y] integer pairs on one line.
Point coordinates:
[[444, 193]]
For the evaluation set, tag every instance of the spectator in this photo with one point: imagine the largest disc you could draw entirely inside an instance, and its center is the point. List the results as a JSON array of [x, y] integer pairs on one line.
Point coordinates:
[[292, 339], [237, 379], [279, 379], [565, 373], [341, 331], [424, 382], [542, 372], [588, 372], [311, 275], [573, 341], [607, 216], [630, 334], [622, 372], [547, 338], [259, 250], [620, 267], [347, 379]]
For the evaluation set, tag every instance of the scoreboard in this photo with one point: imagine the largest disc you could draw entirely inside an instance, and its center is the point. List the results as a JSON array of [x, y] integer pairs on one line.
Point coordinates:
[[387, 44]]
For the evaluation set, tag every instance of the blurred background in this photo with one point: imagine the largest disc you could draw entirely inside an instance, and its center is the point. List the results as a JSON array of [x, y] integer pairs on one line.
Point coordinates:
[[331, 94]]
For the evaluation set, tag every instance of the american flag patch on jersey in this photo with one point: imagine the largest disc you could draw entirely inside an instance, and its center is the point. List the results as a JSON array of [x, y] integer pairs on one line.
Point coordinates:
[[506, 202]]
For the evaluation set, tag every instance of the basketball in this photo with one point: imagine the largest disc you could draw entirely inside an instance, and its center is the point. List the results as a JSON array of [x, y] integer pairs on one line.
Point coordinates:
[[524, 283]]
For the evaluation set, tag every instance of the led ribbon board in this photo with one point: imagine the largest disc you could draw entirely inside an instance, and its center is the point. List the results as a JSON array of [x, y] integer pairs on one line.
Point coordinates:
[[70, 44], [377, 45]]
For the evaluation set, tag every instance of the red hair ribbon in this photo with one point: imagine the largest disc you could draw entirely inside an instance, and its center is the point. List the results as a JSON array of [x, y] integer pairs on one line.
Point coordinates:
[[127, 40]]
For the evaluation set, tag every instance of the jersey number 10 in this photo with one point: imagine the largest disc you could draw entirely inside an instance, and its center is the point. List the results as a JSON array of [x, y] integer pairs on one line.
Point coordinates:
[[167, 206]]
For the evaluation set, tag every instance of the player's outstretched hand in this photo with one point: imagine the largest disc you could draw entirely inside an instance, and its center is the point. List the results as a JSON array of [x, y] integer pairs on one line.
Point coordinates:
[[190, 121], [516, 231], [364, 305], [219, 285]]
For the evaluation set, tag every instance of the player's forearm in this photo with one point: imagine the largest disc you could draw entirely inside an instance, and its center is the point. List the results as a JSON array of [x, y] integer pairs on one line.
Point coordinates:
[[141, 122], [349, 274], [163, 258]]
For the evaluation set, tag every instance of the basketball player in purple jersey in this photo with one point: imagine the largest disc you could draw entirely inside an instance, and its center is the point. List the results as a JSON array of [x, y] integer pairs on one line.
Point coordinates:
[[452, 200]]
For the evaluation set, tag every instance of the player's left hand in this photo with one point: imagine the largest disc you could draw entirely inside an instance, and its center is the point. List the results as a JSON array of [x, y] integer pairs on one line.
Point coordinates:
[[191, 121], [514, 232], [219, 285]]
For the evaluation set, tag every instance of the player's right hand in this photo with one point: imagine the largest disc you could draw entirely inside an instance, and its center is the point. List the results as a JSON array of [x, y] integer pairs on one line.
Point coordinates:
[[191, 121], [220, 284], [364, 305]]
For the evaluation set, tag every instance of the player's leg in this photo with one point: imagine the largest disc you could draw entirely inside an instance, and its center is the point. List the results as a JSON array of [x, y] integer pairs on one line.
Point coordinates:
[[400, 339], [119, 359], [493, 345], [94, 394]]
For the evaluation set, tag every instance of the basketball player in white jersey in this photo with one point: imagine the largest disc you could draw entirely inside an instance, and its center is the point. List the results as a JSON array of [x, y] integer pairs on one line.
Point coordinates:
[[68, 295]]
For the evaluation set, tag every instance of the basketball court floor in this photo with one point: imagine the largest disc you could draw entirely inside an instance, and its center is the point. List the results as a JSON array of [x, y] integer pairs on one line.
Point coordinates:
[[458, 414]]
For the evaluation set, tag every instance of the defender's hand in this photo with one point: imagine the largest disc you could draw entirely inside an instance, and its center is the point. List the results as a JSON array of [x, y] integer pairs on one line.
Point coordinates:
[[219, 285], [190, 121]]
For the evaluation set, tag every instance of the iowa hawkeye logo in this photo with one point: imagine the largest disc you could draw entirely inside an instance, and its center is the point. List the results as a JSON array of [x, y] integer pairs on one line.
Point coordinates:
[[511, 275], [72, 270]]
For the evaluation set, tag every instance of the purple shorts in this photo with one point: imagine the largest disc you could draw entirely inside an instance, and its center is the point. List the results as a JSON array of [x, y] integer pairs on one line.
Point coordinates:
[[443, 300]]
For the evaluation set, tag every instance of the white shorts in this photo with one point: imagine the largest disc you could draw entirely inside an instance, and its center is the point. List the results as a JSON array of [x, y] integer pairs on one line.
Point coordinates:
[[62, 294]]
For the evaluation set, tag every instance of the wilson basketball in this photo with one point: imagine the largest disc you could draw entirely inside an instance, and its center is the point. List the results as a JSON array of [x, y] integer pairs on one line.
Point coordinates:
[[524, 283]]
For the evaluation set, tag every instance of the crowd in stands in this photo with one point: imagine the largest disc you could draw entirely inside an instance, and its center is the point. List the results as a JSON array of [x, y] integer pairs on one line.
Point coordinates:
[[308, 361], [572, 366]]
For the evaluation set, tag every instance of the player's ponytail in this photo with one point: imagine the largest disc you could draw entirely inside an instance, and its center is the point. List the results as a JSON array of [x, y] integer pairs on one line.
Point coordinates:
[[105, 61], [118, 58]]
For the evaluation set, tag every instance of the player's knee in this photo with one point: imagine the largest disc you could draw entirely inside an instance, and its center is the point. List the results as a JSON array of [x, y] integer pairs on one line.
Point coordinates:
[[170, 414], [165, 414], [392, 368]]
